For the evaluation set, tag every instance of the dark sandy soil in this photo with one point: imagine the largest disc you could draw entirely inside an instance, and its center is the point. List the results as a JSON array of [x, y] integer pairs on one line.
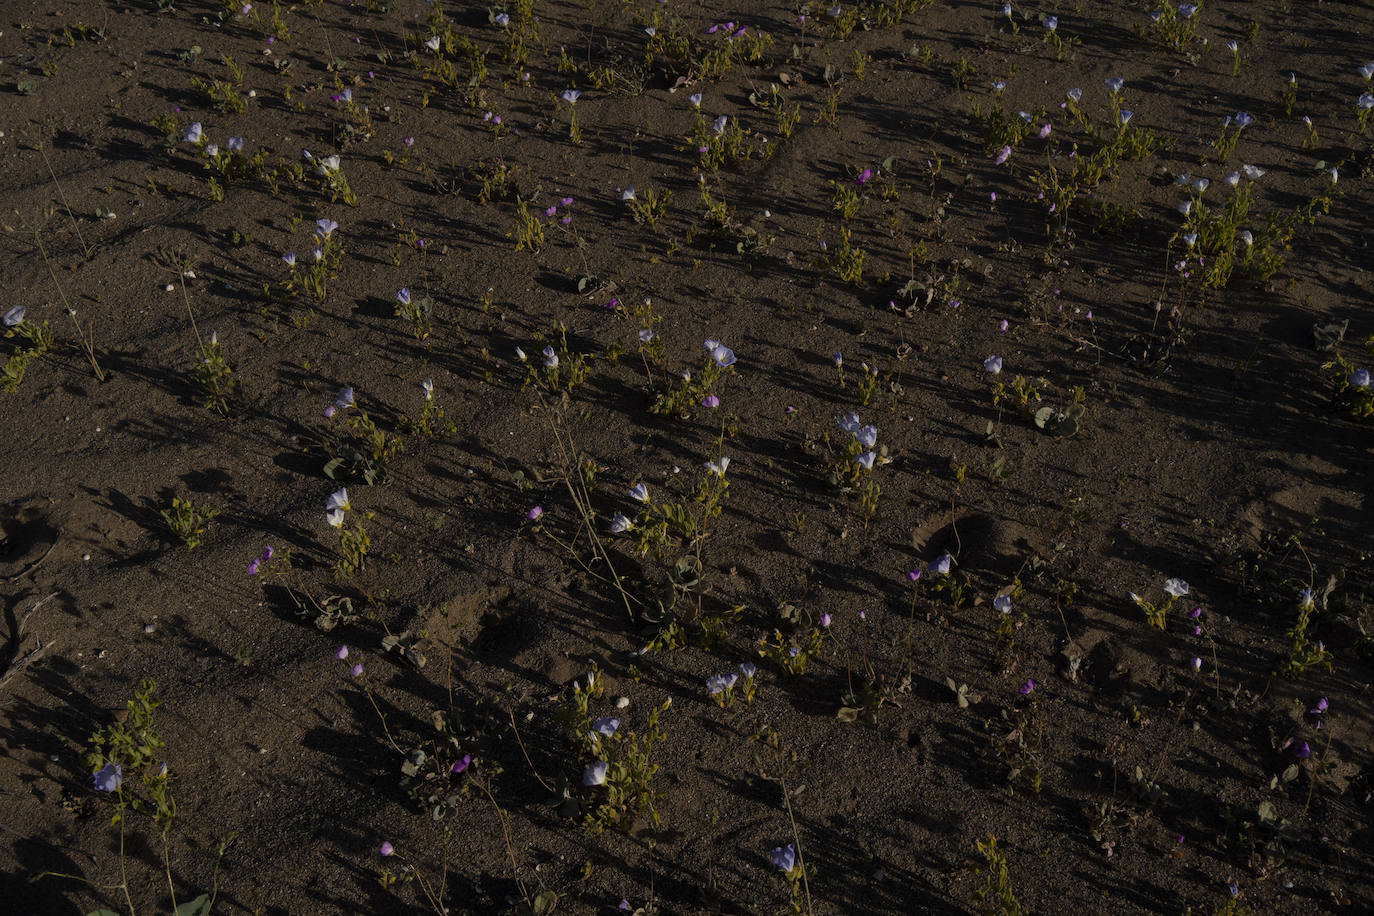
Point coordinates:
[[908, 184]]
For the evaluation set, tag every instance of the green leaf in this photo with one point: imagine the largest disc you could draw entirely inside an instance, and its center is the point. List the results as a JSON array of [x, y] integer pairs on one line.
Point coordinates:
[[847, 714], [198, 907]]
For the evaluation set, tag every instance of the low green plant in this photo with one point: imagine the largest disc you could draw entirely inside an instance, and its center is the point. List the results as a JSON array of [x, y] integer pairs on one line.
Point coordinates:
[[186, 522], [996, 894], [1156, 613], [38, 340], [214, 375], [1303, 652]]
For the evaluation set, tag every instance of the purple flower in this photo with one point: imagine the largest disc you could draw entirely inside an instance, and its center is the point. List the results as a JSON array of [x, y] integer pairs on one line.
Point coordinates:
[[710, 401], [534, 514], [825, 620], [1114, 84], [109, 777], [403, 295], [344, 400], [992, 365], [1319, 708], [253, 566], [14, 316], [913, 575], [1003, 155], [719, 124], [785, 858], [1302, 750], [1195, 613], [863, 177], [461, 764], [324, 227], [387, 849], [748, 669], [1002, 326], [356, 670], [268, 553], [1027, 687], [606, 726], [341, 653], [941, 566], [1195, 663], [1002, 604]]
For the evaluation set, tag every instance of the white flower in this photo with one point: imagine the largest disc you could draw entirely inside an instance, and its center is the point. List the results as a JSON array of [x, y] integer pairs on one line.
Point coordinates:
[[620, 524], [329, 165], [338, 500], [344, 399], [1176, 588], [212, 151], [520, 354], [1247, 237], [550, 358], [325, 227], [866, 460], [993, 364], [719, 124], [428, 386], [694, 100], [14, 316], [403, 296], [433, 43], [595, 774], [718, 466], [645, 335], [289, 258], [1114, 84], [1200, 184], [941, 566], [1002, 604], [640, 493], [628, 193], [1232, 178], [193, 133], [1185, 208], [1254, 173], [335, 518], [570, 96]]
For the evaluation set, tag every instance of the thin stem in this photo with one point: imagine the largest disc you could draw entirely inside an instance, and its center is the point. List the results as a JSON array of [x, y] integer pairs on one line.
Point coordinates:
[[796, 838], [62, 194]]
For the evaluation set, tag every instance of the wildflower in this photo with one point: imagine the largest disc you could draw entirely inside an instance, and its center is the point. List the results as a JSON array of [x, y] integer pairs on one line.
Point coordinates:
[[341, 653], [550, 358], [428, 386], [1242, 120], [338, 500], [335, 517], [1175, 588], [109, 777], [1231, 178], [711, 402], [1200, 184], [433, 43], [570, 96], [1195, 613], [998, 85], [719, 124], [212, 151], [1367, 71], [748, 669], [1005, 10], [501, 19], [650, 31], [520, 354], [1254, 173], [866, 460], [718, 466], [344, 400], [719, 683], [785, 858], [356, 670], [850, 423], [1196, 663], [639, 493], [403, 296], [534, 514], [1190, 239], [825, 620], [234, 143], [15, 316], [606, 726], [941, 566], [1302, 750], [694, 100], [1003, 325], [253, 566], [1365, 101], [993, 364], [386, 848], [1185, 208], [461, 764], [862, 178], [1044, 130], [1074, 94], [1186, 10], [324, 227], [1359, 378], [913, 575], [289, 258], [1027, 687], [345, 96], [1003, 156], [1002, 604], [723, 355], [193, 133], [1050, 23], [317, 254], [1114, 84], [1318, 709], [620, 524], [866, 436], [595, 775]]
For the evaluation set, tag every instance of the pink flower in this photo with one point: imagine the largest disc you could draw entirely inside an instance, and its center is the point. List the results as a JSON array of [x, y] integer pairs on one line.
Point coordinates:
[[356, 670], [341, 653], [1003, 156], [387, 849]]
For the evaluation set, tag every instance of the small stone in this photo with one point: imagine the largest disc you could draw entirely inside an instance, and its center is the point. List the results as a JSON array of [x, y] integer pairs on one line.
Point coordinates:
[[149, 628], [622, 702]]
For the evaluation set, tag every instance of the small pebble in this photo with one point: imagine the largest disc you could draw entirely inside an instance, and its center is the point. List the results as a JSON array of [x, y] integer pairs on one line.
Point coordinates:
[[149, 628], [622, 702]]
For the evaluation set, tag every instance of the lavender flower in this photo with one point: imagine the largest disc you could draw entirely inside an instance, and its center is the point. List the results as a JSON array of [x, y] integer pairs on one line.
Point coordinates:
[[109, 777], [595, 775], [719, 683], [341, 653], [719, 124], [710, 402], [941, 566], [640, 493], [694, 100], [1027, 687], [403, 296], [605, 726], [324, 227], [344, 400], [748, 669], [1114, 84], [785, 858], [386, 848], [570, 96], [15, 316], [1002, 604], [550, 358], [461, 764], [1175, 588], [993, 364], [1359, 378], [193, 134], [534, 514], [620, 524]]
